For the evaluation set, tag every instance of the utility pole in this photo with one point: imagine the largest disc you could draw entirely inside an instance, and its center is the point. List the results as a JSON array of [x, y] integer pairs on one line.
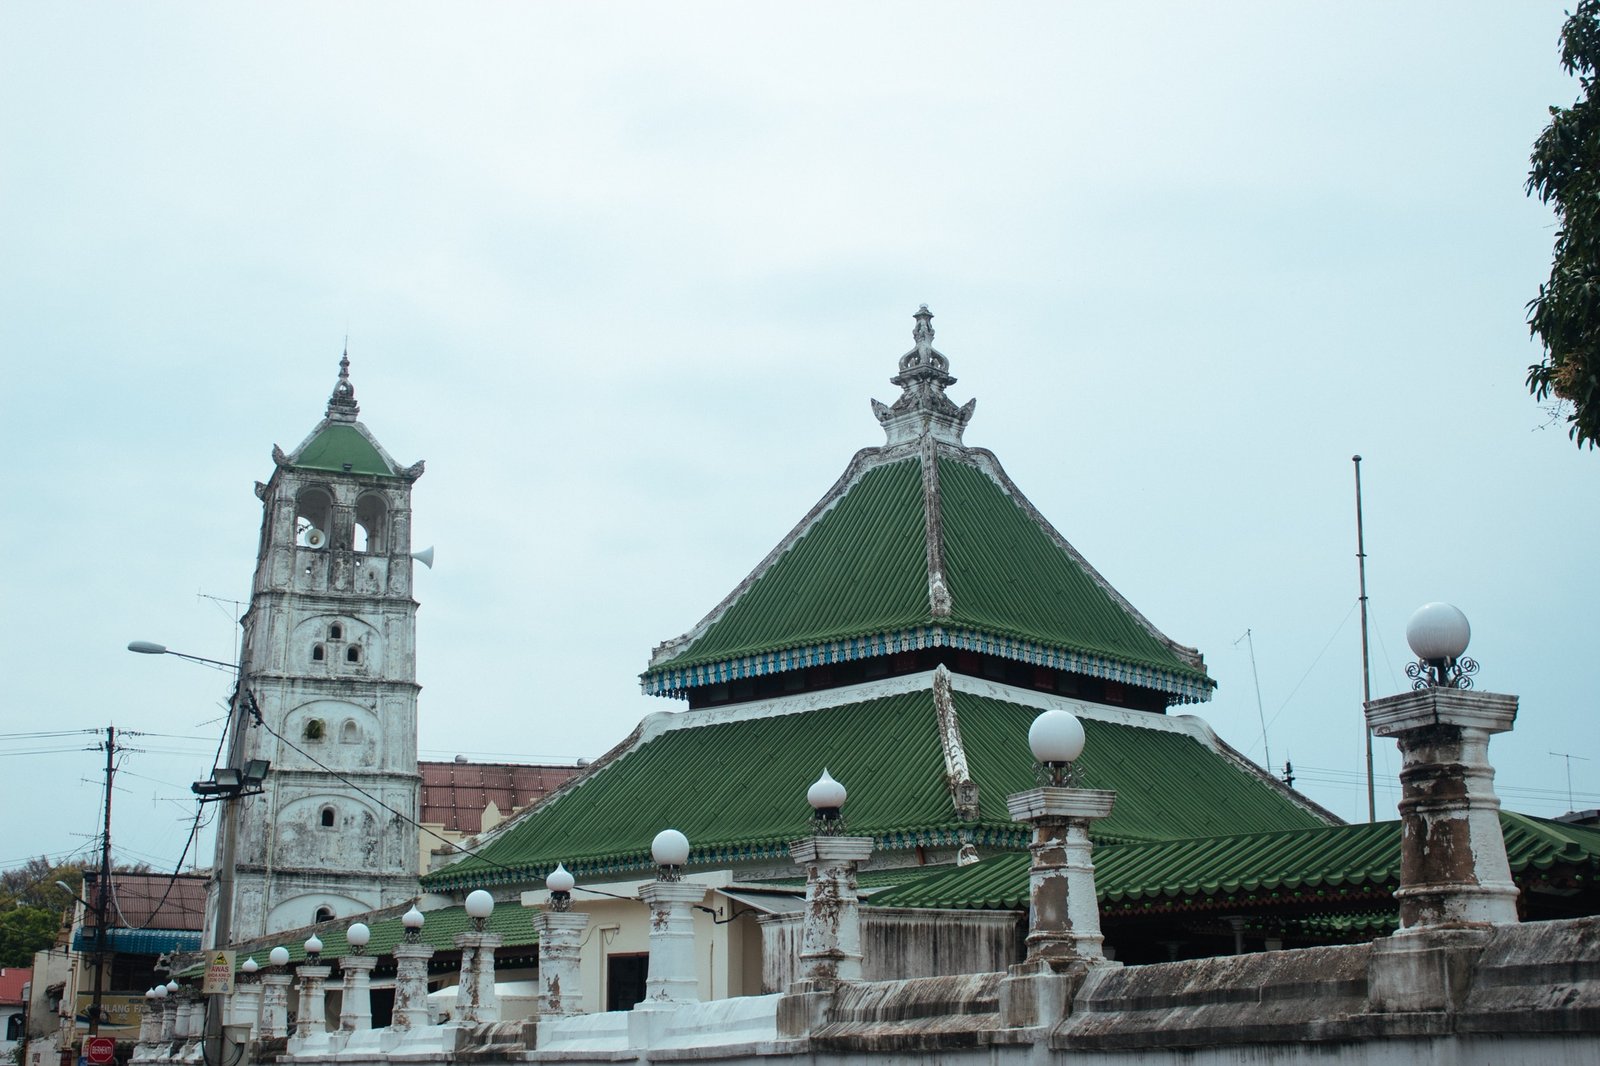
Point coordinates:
[[105, 887], [1366, 668]]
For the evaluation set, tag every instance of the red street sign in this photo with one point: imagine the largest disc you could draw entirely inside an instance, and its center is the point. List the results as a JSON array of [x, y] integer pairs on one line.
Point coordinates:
[[100, 1050]]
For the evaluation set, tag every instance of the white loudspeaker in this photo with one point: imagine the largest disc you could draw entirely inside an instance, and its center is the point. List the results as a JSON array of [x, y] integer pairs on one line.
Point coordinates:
[[315, 538], [425, 556]]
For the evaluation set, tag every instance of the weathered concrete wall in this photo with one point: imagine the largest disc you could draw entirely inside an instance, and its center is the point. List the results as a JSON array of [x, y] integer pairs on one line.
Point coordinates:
[[1513, 994], [903, 943]]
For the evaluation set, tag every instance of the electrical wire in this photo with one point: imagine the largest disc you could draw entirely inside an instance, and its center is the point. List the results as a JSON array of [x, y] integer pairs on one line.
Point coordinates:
[[408, 819]]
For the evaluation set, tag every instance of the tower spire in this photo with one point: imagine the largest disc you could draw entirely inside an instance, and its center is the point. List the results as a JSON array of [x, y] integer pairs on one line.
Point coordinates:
[[923, 410], [342, 404]]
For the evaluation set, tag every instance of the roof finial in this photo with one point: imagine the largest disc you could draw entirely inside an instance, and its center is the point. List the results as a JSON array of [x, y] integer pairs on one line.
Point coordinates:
[[342, 404], [922, 333], [923, 409]]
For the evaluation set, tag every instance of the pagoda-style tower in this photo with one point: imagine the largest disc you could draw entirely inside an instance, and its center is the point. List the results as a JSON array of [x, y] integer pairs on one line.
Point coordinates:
[[926, 554], [330, 660]]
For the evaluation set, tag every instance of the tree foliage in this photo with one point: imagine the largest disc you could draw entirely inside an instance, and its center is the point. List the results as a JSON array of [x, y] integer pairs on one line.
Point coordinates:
[[1565, 173]]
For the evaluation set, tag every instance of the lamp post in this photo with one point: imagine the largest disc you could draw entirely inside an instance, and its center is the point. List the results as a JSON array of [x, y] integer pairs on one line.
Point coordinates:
[[670, 977], [227, 783]]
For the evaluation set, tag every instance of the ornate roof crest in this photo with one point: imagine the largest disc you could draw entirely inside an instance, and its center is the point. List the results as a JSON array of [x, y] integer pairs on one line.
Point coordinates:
[[342, 404], [923, 410]]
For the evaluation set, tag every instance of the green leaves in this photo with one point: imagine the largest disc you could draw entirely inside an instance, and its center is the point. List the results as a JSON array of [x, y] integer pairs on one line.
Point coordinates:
[[1564, 172]]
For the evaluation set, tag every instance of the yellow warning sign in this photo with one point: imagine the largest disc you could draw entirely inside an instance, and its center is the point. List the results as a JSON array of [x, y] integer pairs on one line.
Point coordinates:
[[219, 973]]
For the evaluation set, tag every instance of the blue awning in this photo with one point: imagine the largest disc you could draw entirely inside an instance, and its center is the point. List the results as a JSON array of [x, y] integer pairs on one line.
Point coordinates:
[[139, 941]]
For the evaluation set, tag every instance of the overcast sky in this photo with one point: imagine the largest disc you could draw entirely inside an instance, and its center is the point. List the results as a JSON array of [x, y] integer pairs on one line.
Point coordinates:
[[626, 276]]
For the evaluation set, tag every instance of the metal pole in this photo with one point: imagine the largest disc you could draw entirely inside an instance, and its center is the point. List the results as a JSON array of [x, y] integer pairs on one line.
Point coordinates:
[[222, 928], [105, 886], [1366, 668]]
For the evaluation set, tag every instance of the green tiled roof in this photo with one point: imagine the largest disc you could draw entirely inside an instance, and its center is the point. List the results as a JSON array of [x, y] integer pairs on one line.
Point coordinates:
[[1327, 862], [861, 568], [737, 788], [1007, 576], [514, 923], [338, 443], [855, 581]]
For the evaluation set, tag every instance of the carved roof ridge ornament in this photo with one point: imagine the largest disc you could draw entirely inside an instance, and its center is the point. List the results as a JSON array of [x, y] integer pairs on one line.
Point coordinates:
[[923, 410], [342, 404]]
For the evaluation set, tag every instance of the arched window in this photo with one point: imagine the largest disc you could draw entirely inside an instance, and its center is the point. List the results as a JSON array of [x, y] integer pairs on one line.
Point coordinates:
[[324, 914], [327, 817], [317, 653], [352, 654], [372, 520], [336, 632], [313, 518], [316, 729], [349, 733]]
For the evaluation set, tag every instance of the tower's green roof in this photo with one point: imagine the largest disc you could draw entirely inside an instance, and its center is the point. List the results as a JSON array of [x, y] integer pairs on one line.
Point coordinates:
[[736, 785], [336, 444]]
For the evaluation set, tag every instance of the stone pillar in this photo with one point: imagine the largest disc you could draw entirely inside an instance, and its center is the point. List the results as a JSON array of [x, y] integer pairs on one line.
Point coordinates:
[[1453, 868], [560, 978], [1063, 913], [355, 1010], [150, 1021], [245, 1007], [476, 1001], [274, 1005], [312, 1012], [411, 984], [183, 1027], [671, 978], [169, 1019], [830, 939]]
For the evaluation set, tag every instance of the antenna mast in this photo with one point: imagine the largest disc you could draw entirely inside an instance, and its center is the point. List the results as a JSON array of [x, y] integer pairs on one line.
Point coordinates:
[[1366, 666]]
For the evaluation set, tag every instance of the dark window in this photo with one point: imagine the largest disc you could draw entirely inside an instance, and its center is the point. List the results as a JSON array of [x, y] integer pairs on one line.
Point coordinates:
[[352, 654], [324, 914], [335, 631], [625, 976], [327, 821], [317, 653], [316, 729]]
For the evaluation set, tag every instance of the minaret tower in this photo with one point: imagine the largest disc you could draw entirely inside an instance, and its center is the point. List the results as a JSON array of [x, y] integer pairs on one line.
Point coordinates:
[[330, 660]]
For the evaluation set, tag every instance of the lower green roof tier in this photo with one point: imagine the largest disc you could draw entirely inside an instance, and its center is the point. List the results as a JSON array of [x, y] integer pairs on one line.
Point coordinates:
[[909, 749]]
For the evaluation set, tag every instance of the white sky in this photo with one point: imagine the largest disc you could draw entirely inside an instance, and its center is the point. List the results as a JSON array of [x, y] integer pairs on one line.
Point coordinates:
[[627, 275]]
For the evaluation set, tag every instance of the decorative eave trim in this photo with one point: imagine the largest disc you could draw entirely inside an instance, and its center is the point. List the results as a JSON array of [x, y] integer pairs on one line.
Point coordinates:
[[676, 681]]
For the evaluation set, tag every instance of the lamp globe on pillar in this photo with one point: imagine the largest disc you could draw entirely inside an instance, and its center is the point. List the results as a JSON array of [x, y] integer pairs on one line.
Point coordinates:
[[670, 849], [560, 883], [358, 936], [249, 968], [158, 992], [479, 906], [826, 797], [1438, 634], [313, 947], [172, 986], [1056, 739], [412, 921], [279, 956]]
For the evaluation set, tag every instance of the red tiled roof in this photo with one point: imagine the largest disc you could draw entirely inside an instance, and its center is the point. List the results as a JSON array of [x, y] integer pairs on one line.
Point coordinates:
[[11, 981], [151, 900], [457, 793]]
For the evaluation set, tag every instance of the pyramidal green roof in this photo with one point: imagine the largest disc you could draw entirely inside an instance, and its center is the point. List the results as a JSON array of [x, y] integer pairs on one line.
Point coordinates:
[[928, 760], [926, 542], [341, 444]]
